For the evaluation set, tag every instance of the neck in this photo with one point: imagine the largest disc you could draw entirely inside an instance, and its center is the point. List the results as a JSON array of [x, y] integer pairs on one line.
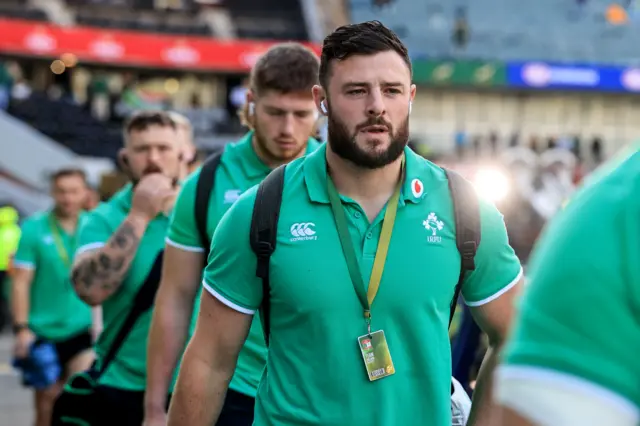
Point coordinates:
[[268, 159], [67, 221], [361, 184]]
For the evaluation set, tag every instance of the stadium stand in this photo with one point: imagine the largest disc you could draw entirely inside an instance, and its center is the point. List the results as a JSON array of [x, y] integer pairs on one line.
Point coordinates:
[[268, 19], [69, 124], [140, 16], [18, 10], [567, 31]]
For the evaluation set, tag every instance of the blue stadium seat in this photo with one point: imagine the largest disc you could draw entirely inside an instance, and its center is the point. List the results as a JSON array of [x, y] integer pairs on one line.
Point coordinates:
[[550, 30]]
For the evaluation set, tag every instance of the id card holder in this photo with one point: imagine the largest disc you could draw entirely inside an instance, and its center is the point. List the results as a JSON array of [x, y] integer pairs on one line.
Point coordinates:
[[376, 355]]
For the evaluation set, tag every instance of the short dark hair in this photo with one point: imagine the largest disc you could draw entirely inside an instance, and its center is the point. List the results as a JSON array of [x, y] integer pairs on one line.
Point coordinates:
[[141, 120], [285, 68], [68, 172], [366, 38]]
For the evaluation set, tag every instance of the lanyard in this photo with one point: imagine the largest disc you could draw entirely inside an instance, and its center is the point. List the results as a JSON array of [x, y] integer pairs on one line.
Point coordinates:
[[366, 298], [57, 239]]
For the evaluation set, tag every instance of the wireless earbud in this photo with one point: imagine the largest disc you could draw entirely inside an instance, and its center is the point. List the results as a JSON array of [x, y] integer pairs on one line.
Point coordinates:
[[252, 108], [323, 107], [410, 105]]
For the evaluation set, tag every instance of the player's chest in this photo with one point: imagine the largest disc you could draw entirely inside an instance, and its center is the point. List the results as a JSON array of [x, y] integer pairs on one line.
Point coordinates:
[[309, 269]]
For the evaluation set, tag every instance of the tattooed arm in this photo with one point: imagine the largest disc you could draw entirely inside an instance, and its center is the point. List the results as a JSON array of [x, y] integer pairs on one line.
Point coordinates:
[[97, 274]]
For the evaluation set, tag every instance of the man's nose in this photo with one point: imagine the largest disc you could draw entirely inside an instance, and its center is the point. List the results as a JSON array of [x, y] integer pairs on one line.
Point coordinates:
[[376, 106]]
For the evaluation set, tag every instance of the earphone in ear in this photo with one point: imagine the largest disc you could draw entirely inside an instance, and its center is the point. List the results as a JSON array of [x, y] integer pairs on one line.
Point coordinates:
[[252, 108], [410, 105], [323, 107]]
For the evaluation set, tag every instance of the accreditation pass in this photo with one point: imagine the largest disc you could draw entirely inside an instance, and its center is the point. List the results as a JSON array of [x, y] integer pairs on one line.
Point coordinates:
[[376, 355]]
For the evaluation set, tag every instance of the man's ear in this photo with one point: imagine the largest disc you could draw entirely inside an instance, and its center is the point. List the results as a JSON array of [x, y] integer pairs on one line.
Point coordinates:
[[320, 99], [123, 160]]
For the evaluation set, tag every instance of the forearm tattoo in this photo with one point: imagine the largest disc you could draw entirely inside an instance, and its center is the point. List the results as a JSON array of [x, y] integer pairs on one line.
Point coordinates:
[[107, 268]]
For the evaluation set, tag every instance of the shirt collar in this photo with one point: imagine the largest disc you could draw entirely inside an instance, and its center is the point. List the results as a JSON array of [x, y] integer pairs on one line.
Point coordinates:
[[419, 177], [251, 164]]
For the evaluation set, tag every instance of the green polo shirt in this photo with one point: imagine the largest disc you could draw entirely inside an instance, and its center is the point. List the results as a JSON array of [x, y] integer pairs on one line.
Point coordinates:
[[315, 373], [579, 321], [128, 370], [56, 313], [240, 169]]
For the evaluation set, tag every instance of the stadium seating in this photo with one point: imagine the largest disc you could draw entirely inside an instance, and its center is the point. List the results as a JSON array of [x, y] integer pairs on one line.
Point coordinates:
[[131, 15], [550, 30], [18, 10], [268, 19], [69, 124]]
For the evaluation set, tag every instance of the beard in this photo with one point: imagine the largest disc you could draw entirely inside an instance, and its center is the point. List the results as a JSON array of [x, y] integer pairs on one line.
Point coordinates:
[[346, 147], [149, 170]]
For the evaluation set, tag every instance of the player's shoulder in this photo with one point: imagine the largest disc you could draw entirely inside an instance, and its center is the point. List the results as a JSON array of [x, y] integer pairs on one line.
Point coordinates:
[[613, 186], [35, 221]]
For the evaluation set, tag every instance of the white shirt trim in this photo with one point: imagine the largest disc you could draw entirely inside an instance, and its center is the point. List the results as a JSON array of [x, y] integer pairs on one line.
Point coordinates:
[[192, 249], [570, 383], [88, 247], [20, 264], [502, 291], [226, 301]]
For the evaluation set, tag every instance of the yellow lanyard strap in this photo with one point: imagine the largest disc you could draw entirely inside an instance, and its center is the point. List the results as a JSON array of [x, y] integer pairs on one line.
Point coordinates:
[[349, 251]]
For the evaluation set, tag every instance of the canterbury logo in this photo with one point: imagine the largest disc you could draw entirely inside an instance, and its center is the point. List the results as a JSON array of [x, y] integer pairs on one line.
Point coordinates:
[[303, 231]]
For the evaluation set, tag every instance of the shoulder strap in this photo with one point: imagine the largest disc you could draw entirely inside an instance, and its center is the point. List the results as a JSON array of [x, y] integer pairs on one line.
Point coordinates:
[[466, 208], [142, 302], [264, 232], [204, 188]]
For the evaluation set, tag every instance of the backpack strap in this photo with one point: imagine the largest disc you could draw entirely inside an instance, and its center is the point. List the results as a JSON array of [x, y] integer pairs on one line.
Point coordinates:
[[466, 208], [204, 188], [264, 232], [142, 302]]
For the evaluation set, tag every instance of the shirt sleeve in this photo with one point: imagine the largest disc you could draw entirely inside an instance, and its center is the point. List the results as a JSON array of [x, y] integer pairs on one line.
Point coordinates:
[[183, 231], [230, 275], [497, 266], [27, 253], [556, 400], [93, 233]]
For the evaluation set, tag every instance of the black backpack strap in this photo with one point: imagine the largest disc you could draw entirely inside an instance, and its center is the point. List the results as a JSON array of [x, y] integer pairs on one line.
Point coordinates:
[[466, 208], [142, 302], [264, 232], [204, 188]]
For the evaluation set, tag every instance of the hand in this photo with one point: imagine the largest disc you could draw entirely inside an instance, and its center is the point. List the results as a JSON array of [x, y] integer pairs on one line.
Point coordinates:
[[155, 419], [23, 341], [152, 195]]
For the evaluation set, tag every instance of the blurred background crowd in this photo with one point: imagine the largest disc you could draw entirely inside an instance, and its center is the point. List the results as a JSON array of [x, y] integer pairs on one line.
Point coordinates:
[[524, 98]]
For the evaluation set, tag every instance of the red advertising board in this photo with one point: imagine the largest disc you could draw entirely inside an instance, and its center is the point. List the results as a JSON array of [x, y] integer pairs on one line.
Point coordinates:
[[129, 47]]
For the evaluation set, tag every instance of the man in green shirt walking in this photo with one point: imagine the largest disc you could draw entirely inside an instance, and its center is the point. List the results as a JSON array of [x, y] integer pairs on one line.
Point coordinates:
[[44, 306], [573, 356], [120, 247], [282, 114], [363, 208]]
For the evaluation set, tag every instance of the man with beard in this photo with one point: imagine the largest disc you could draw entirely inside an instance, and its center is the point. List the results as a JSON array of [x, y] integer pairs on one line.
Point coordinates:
[[281, 111], [45, 309], [119, 251], [361, 209]]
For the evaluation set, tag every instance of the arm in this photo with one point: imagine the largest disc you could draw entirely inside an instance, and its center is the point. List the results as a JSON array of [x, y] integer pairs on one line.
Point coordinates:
[[181, 276], [232, 295], [208, 364], [20, 294], [490, 291], [98, 273], [96, 322], [494, 318]]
